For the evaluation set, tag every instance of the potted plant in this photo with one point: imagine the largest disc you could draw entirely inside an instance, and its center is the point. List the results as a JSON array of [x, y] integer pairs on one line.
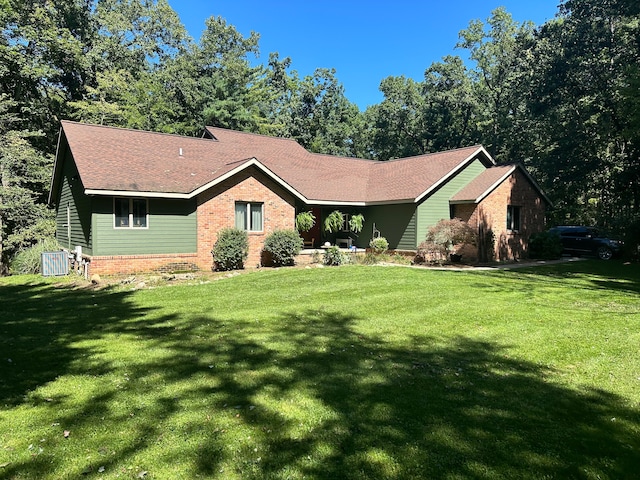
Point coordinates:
[[333, 222], [356, 223], [305, 221]]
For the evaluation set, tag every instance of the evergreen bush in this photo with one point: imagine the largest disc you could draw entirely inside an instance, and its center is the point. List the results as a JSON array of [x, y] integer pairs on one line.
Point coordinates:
[[231, 249], [282, 247]]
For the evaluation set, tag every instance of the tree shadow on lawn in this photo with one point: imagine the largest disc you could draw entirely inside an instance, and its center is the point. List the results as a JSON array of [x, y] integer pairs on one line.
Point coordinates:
[[377, 410], [429, 408], [39, 325], [593, 277], [598, 274], [429, 411]]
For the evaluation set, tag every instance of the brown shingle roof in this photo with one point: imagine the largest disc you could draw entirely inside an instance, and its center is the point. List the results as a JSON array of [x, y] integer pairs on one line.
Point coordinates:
[[120, 160], [483, 184], [413, 177]]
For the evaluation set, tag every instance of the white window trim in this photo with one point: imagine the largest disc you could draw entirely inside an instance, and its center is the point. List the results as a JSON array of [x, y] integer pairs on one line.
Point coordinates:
[[131, 226], [248, 215]]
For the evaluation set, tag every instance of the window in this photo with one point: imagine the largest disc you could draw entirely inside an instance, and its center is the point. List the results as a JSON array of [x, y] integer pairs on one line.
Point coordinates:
[[130, 212], [513, 218], [249, 216]]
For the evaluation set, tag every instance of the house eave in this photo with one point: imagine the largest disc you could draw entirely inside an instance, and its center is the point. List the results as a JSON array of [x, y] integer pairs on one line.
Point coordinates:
[[337, 203], [142, 194], [340, 203]]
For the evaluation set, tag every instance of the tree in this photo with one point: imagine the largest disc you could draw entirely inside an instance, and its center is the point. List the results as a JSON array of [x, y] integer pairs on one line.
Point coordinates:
[[43, 62], [133, 84], [320, 117], [451, 110], [223, 76], [496, 50], [24, 173], [397, 128], [585, 65]]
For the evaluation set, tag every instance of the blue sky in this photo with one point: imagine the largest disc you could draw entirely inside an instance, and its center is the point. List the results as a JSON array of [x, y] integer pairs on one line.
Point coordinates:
[[365, 41]]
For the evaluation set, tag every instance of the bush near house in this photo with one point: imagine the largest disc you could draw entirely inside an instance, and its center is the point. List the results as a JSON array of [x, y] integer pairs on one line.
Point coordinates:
[[545, 246], [334, 257], [231, 249], [379, 245], [281, 247], [632, 241], [445, 238]]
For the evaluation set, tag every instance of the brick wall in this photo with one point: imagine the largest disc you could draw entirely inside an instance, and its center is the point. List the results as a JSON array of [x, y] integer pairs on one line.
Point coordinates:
[[216, 210], [130, 264], [490, 218]]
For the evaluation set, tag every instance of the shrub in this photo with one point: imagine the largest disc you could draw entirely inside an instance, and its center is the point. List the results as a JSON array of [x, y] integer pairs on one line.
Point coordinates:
[[429, 252], [545, 246], [333, 256], [368, 258], [445, 238], [379, 245], [28, 260], [231, 249], [632, 240], [283, 246]]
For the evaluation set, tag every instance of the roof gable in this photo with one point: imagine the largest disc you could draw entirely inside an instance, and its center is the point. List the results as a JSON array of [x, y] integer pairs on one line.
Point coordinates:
[[485, 183]]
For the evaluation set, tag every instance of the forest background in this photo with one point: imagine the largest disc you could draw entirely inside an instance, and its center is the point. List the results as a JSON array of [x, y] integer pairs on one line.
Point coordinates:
[[563, 98]]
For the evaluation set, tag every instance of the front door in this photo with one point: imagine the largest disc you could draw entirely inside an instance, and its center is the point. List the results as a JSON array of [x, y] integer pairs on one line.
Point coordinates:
[[314, 233]]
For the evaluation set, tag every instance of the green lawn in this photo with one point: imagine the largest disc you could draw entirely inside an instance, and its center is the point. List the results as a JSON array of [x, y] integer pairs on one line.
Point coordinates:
[[354, 372]]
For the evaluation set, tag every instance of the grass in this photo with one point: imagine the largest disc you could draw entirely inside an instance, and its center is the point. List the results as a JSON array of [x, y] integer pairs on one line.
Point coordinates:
[[354, 372]]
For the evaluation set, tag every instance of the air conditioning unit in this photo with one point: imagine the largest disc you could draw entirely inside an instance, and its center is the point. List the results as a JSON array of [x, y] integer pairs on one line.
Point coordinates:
[[54, 263]]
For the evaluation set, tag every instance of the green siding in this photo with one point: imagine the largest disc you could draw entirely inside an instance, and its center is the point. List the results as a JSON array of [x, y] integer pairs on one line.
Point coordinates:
[[79, 205], [172, 228], [436, 206], [397, 223]]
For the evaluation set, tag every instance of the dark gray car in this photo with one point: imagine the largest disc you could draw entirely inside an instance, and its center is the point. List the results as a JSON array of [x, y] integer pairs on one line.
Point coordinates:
[[578, 240]]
